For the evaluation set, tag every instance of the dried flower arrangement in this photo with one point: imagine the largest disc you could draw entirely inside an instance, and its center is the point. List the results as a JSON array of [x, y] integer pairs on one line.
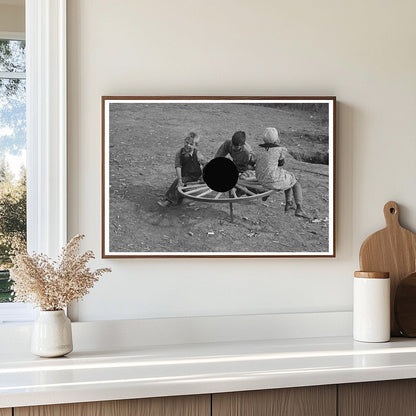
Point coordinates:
[[53, 285]]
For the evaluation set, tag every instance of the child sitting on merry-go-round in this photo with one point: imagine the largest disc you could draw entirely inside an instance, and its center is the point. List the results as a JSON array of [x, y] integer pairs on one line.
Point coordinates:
[[270, 174]]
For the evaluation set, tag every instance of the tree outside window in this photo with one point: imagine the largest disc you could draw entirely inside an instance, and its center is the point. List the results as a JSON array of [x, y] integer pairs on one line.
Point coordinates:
[[12, 156]]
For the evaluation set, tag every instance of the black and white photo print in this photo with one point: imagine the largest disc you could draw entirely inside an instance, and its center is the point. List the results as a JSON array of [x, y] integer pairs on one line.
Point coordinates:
[[218, 176]]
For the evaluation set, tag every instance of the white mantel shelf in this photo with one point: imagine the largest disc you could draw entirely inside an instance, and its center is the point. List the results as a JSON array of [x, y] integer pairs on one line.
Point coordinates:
[[167, 370]]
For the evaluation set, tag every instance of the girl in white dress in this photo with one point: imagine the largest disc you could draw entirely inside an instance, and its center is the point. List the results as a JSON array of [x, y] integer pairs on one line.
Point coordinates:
[[271, 175]]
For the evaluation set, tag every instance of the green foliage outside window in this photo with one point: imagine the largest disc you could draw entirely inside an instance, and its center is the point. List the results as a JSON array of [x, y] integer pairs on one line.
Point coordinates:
[[12, 145], [12, 223]]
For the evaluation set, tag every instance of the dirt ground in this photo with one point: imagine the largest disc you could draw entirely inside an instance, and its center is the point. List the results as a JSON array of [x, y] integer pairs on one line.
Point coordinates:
[[143, 141]]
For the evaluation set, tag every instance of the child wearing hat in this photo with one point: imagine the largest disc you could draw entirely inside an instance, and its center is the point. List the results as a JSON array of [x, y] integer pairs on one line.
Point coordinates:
[[188, 167], [271, 175]]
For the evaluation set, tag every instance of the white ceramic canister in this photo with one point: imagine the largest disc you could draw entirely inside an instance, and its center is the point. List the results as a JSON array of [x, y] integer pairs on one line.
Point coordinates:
[[371, 309]]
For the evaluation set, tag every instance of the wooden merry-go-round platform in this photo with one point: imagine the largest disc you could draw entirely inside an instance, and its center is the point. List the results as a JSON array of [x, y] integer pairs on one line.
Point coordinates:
[[243, 191]]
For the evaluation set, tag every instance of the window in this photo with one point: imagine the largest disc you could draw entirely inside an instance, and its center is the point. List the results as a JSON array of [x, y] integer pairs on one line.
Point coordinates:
[[12, 153], [46, 135]]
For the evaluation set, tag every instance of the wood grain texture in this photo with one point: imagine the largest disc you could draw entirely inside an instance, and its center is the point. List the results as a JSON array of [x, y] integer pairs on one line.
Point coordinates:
[[160, 406], [405, 306], [5, 412], [299, 401], [372, 275], [393, 250], [382, 398]]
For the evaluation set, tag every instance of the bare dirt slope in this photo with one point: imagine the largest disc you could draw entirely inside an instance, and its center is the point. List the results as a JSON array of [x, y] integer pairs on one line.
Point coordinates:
[[143, 142]]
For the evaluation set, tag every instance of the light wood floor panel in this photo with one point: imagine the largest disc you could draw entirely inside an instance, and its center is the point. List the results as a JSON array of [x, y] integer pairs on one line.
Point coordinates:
[[301, 401], [381, 398], [164, 406], [5, 412]]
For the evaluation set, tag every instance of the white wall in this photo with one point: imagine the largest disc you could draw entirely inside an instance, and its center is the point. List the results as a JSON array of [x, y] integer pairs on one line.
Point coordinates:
[[363, 52]]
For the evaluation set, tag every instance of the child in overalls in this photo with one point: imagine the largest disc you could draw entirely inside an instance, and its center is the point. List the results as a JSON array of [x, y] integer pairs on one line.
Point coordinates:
[[188, 166]]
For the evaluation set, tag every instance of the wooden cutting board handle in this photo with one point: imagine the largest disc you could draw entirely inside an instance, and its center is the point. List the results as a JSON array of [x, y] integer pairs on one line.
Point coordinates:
[[393, 250], [391, 214]]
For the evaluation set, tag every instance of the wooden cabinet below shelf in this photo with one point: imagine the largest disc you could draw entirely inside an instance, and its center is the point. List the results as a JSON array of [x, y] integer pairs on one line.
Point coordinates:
[[299, 401], [160, 406], [380, 398]]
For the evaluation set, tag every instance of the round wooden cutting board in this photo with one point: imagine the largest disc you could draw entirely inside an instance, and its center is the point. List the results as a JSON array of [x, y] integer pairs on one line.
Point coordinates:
[[405, 306], [393, 250]]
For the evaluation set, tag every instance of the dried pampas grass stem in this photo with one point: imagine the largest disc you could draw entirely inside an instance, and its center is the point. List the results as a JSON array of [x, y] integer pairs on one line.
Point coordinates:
[[53, 285]]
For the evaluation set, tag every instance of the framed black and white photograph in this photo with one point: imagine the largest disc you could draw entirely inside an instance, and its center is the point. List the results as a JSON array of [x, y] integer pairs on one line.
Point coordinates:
[[218, 176]]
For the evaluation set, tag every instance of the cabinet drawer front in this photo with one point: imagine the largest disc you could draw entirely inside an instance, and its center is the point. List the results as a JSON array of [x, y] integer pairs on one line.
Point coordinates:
[[381, 398], [160, 406], [300, 401]]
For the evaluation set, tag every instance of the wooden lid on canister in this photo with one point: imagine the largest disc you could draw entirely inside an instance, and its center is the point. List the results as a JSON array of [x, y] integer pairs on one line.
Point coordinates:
[[372, 275]]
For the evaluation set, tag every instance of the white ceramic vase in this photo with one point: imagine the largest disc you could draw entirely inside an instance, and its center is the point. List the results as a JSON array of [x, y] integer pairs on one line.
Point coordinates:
[[52, 334]]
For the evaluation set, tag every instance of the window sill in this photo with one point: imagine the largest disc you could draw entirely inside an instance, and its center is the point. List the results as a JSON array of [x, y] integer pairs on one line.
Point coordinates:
[[16, 313]]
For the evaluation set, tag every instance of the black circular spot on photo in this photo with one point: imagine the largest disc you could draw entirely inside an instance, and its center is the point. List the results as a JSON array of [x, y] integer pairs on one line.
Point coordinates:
[[220, 174]]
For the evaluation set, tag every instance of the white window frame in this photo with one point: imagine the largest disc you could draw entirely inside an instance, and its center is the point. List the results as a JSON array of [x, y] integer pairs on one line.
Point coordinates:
[[14, 312], [46, 133]]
